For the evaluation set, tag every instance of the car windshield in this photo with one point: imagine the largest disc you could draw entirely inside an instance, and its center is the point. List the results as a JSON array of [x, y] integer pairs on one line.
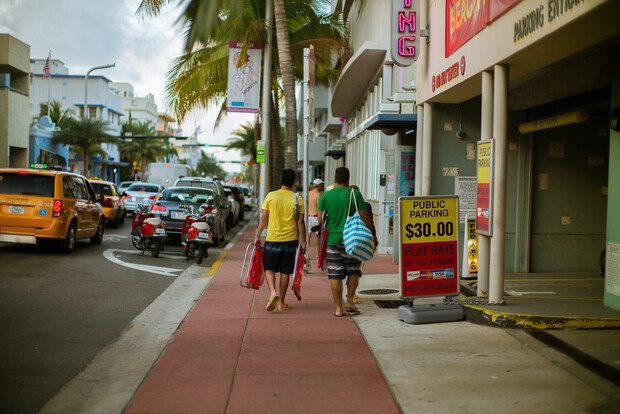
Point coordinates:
[[27, 184], [144, 187], [103, 189], [197, 196], [126, 184]]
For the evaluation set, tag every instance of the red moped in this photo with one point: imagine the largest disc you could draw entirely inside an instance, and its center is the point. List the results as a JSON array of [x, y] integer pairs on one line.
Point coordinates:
[[196, 234], [147, 230]]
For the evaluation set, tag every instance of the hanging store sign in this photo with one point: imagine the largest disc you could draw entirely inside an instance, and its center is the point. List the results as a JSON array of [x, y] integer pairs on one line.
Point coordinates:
[[574, 117], [484, 201], [244, 69], [405, 39], [428, 246]]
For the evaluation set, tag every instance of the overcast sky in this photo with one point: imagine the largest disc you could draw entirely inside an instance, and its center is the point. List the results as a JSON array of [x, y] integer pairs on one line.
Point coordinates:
[[87, 33]]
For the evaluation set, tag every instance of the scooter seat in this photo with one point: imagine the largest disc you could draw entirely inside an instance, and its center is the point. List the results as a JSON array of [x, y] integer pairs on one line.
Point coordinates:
[[200, 225], [153, 221]]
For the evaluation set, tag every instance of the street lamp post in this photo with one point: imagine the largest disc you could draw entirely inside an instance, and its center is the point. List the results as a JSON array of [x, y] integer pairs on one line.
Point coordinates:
[[86, 84]]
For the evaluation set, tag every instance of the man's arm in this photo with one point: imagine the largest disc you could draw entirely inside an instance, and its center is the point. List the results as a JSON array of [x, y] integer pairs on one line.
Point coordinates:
[[262, 223]]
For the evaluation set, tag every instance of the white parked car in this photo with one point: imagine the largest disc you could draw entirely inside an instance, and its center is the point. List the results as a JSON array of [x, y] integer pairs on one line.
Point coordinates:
[[138, 193]]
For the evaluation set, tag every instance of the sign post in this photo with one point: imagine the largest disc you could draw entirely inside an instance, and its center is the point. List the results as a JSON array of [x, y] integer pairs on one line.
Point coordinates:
[[428, 264]]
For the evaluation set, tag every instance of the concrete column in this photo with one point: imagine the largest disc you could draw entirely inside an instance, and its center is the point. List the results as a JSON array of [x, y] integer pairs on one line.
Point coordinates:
[[427, 146], [486, 132], [500, 135], [418, 150]]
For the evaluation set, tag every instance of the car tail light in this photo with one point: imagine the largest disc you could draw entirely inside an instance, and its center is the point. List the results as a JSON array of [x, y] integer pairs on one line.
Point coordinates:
[[153, 197], [108, 202], [58, 209], [209, 210], [126, 196], [22, 172], [158, 207]]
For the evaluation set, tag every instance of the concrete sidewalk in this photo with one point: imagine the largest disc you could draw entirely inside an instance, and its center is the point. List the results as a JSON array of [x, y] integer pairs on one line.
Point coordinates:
[[231, 356]]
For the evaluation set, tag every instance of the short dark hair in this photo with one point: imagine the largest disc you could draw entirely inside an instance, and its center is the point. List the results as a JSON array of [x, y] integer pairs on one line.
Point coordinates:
[[288, 177], [342, 175]]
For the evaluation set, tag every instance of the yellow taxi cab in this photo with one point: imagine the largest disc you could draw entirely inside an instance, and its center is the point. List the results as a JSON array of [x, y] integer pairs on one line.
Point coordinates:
[[113, 206], [38, 205]]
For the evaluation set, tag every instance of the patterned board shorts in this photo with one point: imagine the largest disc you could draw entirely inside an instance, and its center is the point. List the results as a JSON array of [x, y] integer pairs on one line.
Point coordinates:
[[340, 264]]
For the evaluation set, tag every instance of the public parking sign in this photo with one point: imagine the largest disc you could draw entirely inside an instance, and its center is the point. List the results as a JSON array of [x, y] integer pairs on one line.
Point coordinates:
[[429, 229]]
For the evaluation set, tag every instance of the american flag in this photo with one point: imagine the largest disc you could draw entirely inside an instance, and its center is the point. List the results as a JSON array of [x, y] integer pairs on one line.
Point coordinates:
[[46, 67]]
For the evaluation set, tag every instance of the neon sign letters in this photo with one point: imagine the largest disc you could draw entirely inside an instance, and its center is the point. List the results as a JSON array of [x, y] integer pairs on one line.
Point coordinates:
[[405, 42]]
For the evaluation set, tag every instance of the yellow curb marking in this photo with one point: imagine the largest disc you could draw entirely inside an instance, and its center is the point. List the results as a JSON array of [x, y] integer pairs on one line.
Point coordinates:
[[218, 262], [565, 322]]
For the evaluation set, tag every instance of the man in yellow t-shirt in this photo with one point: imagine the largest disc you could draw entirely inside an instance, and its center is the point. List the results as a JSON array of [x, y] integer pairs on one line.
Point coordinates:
[[283, 215]]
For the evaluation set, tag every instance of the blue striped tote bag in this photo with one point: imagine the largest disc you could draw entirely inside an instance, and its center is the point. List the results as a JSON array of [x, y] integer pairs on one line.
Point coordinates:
[[358, 240]]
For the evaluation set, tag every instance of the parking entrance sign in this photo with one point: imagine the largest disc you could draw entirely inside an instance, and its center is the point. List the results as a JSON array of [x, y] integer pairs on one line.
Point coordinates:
[[429, 246]]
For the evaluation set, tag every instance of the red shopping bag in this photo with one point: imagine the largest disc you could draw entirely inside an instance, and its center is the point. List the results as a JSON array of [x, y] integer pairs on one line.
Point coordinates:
[[322, 249], [252, 274], [298, 273]]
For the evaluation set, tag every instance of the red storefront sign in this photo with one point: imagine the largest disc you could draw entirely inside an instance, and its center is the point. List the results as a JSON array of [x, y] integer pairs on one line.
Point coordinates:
[[466, 18]]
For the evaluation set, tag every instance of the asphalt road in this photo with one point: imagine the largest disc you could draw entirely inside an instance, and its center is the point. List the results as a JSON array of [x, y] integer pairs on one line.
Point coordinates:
[[57, 311]]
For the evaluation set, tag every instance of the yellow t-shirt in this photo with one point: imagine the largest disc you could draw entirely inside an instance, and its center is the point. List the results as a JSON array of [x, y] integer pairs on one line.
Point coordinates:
[[282, 226]]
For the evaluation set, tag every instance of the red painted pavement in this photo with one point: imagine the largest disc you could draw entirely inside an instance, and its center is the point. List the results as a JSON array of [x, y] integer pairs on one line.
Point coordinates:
[[231, 356]]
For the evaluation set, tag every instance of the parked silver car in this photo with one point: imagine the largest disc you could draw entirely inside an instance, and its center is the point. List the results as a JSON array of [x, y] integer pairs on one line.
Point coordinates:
[[138, 193]]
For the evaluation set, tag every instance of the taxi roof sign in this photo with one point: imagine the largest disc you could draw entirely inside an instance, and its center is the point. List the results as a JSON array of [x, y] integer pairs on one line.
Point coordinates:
[[38, 166]]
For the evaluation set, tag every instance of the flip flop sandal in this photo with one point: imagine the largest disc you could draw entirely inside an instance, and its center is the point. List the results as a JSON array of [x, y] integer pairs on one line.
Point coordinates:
[[352, 311], [271, 305]]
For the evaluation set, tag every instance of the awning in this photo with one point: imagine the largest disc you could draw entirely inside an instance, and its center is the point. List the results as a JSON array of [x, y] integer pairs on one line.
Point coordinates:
[[392, 121], [356, 78]]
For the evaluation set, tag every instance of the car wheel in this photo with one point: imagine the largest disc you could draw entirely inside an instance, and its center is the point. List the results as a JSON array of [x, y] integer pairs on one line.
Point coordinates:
[[98, 237], [241, 214], [68, 245], [121, 218]]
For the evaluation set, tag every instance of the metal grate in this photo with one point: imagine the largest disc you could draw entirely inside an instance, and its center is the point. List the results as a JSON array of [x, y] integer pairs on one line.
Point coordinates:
[[378, 291], [390, 304]]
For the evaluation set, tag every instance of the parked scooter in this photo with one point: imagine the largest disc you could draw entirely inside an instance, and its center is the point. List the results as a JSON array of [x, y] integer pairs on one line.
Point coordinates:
[[147, 230], [196, 234]]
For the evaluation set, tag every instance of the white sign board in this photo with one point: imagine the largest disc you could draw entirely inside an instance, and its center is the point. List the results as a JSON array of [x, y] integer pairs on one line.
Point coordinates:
[[466, 189], [244, 71]]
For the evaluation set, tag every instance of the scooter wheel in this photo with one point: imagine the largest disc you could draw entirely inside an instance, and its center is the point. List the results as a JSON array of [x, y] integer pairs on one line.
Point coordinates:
[[135, 237], [156, 248], [201, 254]]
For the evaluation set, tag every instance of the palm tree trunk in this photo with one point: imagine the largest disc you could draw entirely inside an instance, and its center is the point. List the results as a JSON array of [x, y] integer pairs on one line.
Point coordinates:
[[288, 83], [86, 159], [275, 146]]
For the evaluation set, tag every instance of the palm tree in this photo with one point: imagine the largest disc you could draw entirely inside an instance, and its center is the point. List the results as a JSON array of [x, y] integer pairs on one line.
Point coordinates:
[[141, 151], [56, 113], [288, 84], [208, 166], [85, 136], [244, 140], [199, 77]]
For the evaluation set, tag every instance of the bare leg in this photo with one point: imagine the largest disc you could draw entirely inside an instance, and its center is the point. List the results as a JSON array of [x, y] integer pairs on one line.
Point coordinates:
[[352, 283], [336, 285], [271, 281], [284, 279]]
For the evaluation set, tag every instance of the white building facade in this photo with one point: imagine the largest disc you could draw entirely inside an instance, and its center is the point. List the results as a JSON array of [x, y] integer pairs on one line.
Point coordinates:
[[374, 100], [69, 90]]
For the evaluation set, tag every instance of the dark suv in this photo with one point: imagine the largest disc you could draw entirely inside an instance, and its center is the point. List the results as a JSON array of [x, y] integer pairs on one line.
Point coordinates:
[[237, 194]]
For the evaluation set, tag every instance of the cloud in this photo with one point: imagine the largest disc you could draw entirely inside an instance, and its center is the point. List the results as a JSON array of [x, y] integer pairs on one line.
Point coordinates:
[[87, 33]]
